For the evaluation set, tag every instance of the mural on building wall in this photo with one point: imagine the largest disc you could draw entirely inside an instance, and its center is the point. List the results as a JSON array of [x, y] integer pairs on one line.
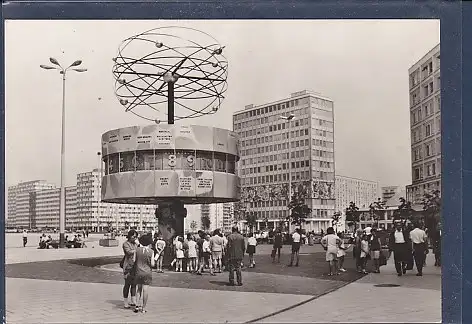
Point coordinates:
[[279, 191], [322, 190]]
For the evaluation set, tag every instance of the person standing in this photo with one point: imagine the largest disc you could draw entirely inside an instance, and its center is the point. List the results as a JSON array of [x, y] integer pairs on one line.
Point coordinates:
[[236, 249], [192, 253], [375, 246], [436, 241], [160, 246], [331, 243], [251, 249], [278, 242], [342, 252], [356, 251], [419, 243], [216, 246], [25, 238], [144, 265], [296, 237], [399, 244], [179, 254], [129, 249]]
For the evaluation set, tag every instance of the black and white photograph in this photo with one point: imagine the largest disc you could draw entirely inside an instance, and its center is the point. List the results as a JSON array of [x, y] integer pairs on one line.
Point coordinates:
[[216, 171]]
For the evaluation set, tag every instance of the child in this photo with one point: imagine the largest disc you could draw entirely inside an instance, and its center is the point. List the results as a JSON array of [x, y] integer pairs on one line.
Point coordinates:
[[192, 253], [331, 243], [364, 252], [342, 252], [144, 264], [207, 254], [159, 257], [179, 254], [251, 249]]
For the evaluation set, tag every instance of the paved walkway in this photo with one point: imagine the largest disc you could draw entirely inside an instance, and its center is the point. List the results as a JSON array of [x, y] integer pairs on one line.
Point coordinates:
[[417, 299]]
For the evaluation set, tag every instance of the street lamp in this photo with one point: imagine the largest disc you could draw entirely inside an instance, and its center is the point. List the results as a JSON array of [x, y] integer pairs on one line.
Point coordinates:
[[62, 210], [289, 118]]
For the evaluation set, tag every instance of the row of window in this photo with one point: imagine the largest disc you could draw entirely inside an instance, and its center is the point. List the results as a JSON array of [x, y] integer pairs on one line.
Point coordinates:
[[427, 90], [284, 177], [284, 166], [425, 111], [284, 156], [426, 70], [267, 110], [424, 131], [170, 160], [426, 150], [282, 214], [429, 170], [283, 146]]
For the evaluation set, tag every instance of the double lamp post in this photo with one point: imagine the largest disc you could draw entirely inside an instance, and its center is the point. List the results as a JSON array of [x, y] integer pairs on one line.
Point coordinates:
[[62, 208]]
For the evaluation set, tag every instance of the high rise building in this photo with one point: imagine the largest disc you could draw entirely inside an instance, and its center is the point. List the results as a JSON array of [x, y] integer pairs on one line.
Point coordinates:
[[361, 192], [22, 202], [276, 150], [425, 121], [35, 204]]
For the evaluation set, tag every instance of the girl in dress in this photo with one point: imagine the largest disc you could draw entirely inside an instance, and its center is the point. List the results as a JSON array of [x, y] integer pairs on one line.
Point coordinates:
[[251, 249], [179, 254], [192, 253], [364, 253]]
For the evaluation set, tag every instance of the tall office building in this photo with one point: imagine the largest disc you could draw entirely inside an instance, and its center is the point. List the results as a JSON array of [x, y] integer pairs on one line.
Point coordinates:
[[361, 192], [425, 121], [22, 203], [269, 141], [47, 207]]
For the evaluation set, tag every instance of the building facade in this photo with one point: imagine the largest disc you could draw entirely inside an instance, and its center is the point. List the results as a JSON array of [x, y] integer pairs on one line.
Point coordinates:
[[389, 191], [35, 204], [21, 202], [275, 152], [361, 192], [425, 121]]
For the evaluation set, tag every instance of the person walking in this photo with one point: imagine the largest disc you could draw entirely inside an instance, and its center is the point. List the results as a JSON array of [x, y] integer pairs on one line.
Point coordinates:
[[356, 251], [399, 244], [25, 238], [365, 253], [436, 241], [236, 249], [296, 238], [129, 271], [278, 242], [419, 241], [144, 265]]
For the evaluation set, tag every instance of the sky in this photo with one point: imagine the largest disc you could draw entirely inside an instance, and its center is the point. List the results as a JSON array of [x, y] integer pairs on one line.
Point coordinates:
[[361, 64]]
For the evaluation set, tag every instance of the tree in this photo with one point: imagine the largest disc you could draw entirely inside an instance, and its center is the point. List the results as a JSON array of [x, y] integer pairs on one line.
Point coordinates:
[[376, 210], [109, 225], [193, 226], [404, 212], [239, 210], [352, 215], [432, 209], [205, 222], [299, 210], [335, 220], [251, 220]]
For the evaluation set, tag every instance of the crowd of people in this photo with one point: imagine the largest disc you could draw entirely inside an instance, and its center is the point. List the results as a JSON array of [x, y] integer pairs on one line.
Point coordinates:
[[216, 253]]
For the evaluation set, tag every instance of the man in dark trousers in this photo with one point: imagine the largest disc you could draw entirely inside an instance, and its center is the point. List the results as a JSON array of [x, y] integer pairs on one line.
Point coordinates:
[[236, 250], [420, 247], [400, 244]]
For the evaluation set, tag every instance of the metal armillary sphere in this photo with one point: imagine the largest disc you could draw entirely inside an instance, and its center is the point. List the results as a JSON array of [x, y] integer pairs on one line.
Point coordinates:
[[180, 68]]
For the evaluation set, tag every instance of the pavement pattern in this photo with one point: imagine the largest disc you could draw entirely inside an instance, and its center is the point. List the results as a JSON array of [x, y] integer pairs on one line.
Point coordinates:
[[64, 287]]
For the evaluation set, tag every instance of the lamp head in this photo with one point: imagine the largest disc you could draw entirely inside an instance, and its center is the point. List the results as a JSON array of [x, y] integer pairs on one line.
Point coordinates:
[[54, 61], [76, 63]]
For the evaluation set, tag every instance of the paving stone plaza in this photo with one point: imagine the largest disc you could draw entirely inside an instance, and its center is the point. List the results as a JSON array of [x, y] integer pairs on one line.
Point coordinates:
[[84, 286]]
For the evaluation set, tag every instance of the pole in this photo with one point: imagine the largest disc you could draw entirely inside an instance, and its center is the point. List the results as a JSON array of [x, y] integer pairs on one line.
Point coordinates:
[[62, 211], [99, 206], [289, 168], [170, 103]]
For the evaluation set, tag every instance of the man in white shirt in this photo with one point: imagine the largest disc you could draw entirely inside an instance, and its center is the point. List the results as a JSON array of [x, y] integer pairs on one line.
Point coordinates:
[[419, 243], [296, 237]]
